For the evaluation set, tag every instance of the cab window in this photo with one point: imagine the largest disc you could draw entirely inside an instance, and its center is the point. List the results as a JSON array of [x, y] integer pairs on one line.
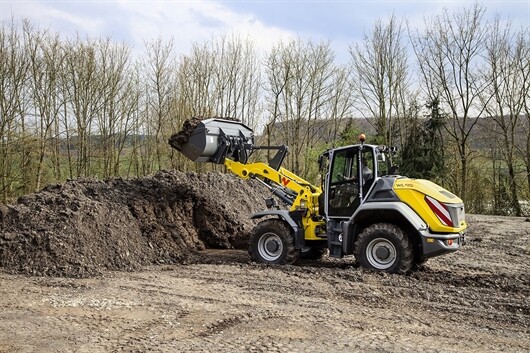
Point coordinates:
[[343, 166]]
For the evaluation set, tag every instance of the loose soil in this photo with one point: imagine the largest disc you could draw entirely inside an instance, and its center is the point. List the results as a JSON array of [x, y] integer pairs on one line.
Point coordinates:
[[180, 138], [84, 227], [158, 264]]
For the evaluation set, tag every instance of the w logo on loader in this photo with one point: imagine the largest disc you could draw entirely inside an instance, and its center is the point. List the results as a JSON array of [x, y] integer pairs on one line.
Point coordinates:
[[285, 181]]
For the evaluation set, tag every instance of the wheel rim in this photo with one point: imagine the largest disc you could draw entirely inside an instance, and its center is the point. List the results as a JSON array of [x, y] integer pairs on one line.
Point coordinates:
[[270, 246], [381, 253]]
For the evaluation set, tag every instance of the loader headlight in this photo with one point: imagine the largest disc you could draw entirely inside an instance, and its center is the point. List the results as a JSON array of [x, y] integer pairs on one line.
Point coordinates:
[[303, 203]]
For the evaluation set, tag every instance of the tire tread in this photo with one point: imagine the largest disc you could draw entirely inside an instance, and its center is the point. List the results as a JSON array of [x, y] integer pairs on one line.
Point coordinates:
[[282, 229], [405, 254]]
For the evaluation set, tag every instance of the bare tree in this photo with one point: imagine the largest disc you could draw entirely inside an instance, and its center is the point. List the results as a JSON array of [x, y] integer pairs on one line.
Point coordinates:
[[84, 99], [46, 57], [161, 97], [340, 104], [196, 81], [14, 71], [523, 69], [236, 78], [127, 119], [112, 118], [136, 120], [278, 74], [449, 54], [504, 97], [380, 77], [300, 89]]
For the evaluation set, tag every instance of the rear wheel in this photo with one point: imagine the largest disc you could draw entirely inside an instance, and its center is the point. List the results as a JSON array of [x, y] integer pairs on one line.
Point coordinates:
[[384, 247], [272, 242]]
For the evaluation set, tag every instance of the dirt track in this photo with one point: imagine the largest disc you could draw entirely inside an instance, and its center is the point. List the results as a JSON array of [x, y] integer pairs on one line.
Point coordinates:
[[476, 300]]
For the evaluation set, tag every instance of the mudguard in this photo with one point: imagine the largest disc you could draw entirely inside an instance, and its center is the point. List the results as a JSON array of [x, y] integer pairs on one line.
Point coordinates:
[[283, 214]]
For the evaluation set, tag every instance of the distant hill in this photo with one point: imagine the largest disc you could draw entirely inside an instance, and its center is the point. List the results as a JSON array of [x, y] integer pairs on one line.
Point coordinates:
[[486, 133]]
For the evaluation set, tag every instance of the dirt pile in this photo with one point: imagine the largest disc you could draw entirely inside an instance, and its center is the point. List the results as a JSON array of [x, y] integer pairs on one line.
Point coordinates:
[[84, 227]]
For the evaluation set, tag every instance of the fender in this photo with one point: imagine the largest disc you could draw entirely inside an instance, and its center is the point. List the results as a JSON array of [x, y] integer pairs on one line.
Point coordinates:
[[373, 207], [283, 214], [398, 206]]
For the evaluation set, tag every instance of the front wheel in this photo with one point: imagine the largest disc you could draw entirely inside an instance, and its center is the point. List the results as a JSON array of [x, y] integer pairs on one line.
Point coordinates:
[[384, 247], [272, 242]]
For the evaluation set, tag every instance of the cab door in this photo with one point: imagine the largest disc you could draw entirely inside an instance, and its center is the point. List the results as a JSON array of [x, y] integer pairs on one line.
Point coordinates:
[[342, 191], [351, 174]]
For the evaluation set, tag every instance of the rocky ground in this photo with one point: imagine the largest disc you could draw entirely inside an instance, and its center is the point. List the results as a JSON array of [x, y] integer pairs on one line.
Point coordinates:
[[153, 265]]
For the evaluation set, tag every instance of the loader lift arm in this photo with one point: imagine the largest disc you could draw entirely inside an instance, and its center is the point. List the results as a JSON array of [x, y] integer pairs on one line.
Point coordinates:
[[292, 189], [301, 196]]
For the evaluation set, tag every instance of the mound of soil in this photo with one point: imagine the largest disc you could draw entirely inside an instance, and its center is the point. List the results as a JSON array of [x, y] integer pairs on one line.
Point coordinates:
[[83, 227]]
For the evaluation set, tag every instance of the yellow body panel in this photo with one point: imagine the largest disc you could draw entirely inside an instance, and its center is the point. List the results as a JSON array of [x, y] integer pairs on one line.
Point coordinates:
[[413, 191], [311, 228]]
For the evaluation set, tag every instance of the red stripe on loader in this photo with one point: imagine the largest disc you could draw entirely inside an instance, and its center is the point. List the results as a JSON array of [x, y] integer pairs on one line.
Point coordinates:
[[438, 209]]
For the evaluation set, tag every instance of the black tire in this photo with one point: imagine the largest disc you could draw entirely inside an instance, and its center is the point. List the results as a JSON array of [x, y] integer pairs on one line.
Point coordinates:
[[272, 242], [419, 264], [384, 247], [311, 253]]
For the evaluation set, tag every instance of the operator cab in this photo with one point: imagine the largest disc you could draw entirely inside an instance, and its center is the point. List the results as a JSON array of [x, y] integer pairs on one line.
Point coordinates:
[[351, 173]]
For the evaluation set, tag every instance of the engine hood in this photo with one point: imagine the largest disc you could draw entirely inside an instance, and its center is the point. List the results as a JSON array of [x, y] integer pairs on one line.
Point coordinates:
[[428, 188]]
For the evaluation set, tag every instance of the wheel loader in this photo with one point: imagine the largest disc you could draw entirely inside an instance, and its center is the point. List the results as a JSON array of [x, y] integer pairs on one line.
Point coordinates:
[[388, 222]]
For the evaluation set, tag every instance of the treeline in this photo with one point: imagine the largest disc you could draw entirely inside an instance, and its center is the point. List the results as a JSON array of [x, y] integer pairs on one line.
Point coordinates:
[[454, 96]]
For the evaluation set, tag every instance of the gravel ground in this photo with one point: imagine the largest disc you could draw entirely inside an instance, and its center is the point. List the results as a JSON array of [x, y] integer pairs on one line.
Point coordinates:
[[475, 300]]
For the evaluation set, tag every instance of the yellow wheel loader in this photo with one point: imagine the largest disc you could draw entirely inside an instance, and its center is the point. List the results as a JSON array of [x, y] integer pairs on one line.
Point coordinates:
[[389, 222]]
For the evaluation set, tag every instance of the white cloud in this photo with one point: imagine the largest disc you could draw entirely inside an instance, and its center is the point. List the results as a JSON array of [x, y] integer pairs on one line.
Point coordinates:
[[47, 16], [138, 21], [188, 22]]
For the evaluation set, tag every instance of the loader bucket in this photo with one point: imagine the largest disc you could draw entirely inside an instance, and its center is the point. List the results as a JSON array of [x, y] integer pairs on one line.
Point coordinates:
[[213, 140]]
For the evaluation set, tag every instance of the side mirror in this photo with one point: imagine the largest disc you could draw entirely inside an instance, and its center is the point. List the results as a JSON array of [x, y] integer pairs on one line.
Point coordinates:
[[322, 160]]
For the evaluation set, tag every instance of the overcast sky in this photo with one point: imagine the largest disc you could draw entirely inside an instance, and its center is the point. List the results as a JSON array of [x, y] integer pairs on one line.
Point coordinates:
[[264, 22]]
